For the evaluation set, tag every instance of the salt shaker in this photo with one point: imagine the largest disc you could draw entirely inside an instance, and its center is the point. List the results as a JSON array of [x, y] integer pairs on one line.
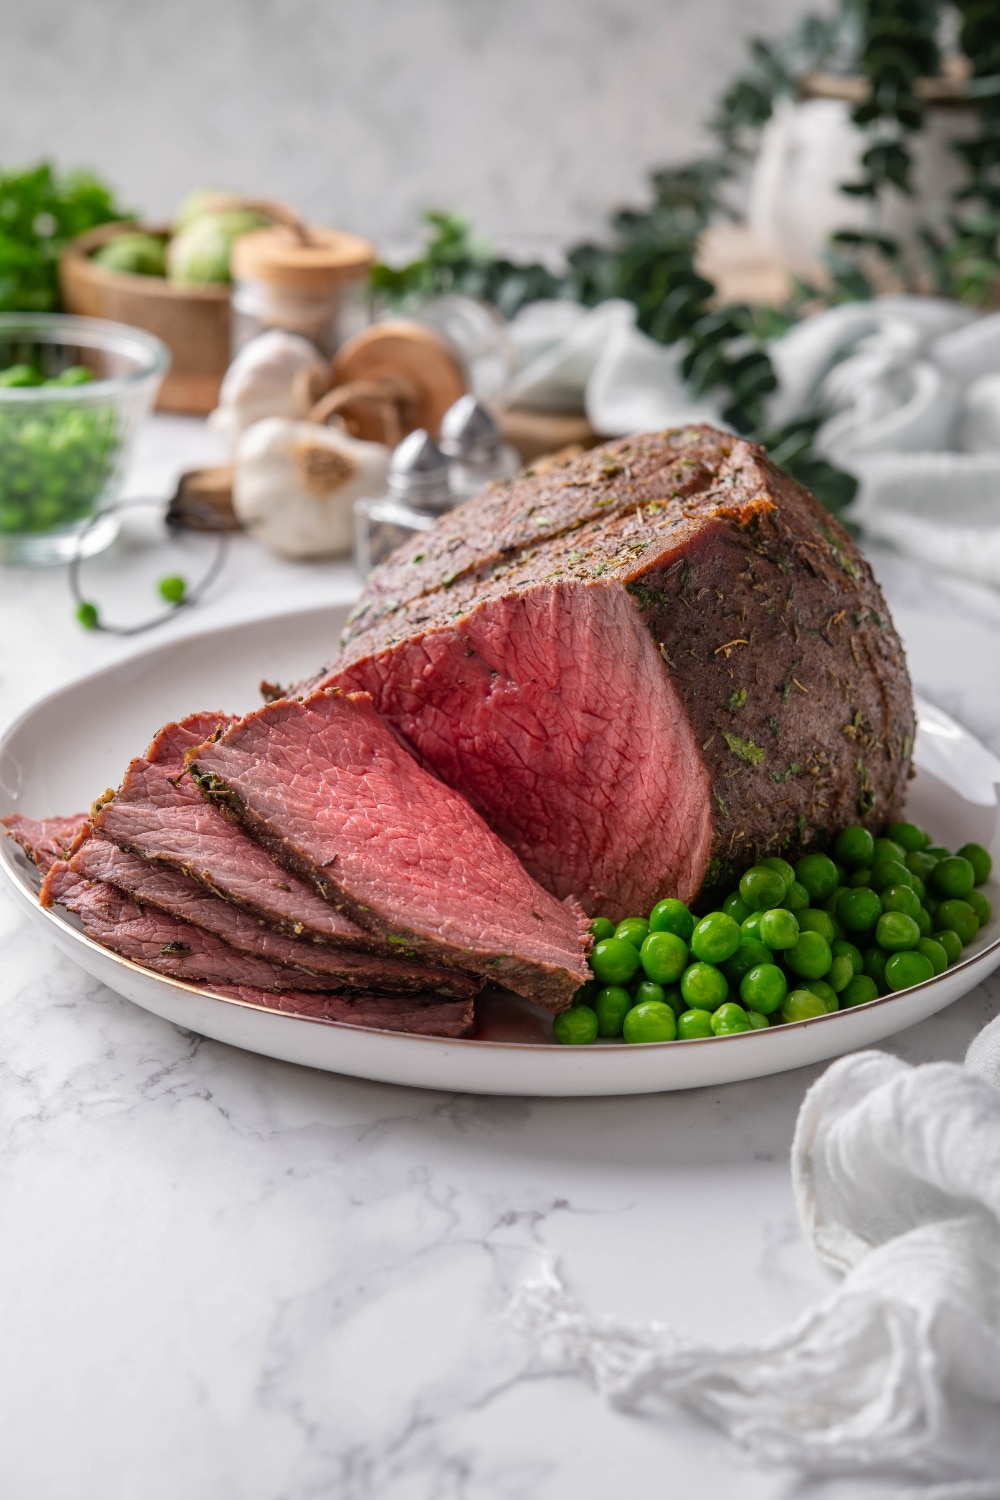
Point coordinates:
[[470, 439], [418, 491]]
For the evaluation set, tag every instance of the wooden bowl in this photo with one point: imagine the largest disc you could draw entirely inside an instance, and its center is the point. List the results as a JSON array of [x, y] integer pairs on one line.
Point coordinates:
[[193, 321]]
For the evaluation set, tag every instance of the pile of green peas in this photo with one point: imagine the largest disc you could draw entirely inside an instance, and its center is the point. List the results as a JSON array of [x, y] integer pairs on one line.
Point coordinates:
[[790, 943], [55, 459]]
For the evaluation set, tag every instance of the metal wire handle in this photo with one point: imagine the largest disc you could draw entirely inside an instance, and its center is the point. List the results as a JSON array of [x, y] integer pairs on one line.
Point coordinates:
[[191, 596]]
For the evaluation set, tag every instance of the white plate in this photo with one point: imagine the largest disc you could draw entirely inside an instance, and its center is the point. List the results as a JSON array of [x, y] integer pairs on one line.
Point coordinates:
[[68, 748]]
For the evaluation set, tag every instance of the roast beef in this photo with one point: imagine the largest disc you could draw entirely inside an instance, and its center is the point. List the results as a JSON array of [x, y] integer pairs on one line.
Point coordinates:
[[169, 890], [160, 814], [164, 943], [425, 1015], [646, 668], [331, 793], [44, 840]]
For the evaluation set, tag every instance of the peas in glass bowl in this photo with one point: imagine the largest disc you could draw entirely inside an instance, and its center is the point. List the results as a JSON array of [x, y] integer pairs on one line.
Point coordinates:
[[73, 392]]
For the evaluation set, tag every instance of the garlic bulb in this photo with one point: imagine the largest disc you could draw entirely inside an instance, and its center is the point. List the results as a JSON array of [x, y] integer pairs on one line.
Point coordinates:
[[295, 484], [277, 374]]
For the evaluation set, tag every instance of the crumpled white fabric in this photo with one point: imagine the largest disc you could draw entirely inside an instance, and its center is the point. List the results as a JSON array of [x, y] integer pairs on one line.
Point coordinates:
[[896, 1171], [573, 358]]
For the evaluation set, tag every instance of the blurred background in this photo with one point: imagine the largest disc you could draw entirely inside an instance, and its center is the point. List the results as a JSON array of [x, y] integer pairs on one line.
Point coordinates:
[[534, 119]]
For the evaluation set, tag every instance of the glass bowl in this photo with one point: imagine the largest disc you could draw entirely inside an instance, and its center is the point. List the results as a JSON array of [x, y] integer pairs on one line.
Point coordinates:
[[65, 443]]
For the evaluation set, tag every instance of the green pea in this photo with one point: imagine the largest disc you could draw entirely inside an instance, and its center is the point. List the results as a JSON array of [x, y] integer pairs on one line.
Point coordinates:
[[875, 965], [919, 888], [937, 851], [895, 932], [888, 849], [647, 990], [860, 991], [729, 1019], [704, 987], [778, 928], [859, 910], [923, 921], [933, 950], [815, 920], [818, 873], [921, 863], [811, 956], [909, 837], [764, 988], [854, 847], [841, 973], [651, 1022], [953, 877], [750, 926], [826, 993], [860, 877], [671, 995], [959, 916], [672, 915], [886, 872], [931, 904], [614, 961], [802, 1005], [601, 928], [842, 949], [664, 956], [734, 906], [796, 897], [633, 930], [762, 888], [980, 906], [783, 868], [576, 1027], [173, 588], [86, 614], [979, 859], [903, 970], [715, 938], [748, 955], [611, 1005], [829, 903], [950, 942], [901, 898], [757, 1021], [694, 1023], [587, 993]]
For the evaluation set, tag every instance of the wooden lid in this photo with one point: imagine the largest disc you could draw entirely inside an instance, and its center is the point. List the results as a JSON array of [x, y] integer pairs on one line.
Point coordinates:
[[411, 359], [283, 259]]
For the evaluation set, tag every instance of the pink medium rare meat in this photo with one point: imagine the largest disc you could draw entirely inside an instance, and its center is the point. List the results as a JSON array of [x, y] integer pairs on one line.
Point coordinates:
[[160, 814], [169, 890], [429, 1015], [164, 943], [44, 840], [330, 791], [646, 667]]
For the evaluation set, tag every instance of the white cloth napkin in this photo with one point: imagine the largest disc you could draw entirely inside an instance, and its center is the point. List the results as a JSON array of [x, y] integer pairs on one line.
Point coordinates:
[[896, 1172]]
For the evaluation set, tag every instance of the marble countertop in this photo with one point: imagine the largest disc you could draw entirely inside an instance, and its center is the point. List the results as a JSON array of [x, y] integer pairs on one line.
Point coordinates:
[[228, 1278]]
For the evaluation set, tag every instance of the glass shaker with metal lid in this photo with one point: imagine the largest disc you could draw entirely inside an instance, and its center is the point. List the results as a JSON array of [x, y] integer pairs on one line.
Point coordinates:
[[471, 440], [418, 492]]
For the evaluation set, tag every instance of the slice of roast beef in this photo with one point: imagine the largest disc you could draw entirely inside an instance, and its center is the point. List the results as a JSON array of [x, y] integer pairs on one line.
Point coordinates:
[[646, 668], [163, 943], [159, 813], [330, 791], [428, 1015], [169, 890], [44, 840]]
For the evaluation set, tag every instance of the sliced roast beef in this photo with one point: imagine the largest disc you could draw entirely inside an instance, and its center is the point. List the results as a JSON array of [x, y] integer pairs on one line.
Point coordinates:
[[160, 814], [645, 669], [332, 794], [164, 943], [423, 1015], [169, 890], [44, 840]]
